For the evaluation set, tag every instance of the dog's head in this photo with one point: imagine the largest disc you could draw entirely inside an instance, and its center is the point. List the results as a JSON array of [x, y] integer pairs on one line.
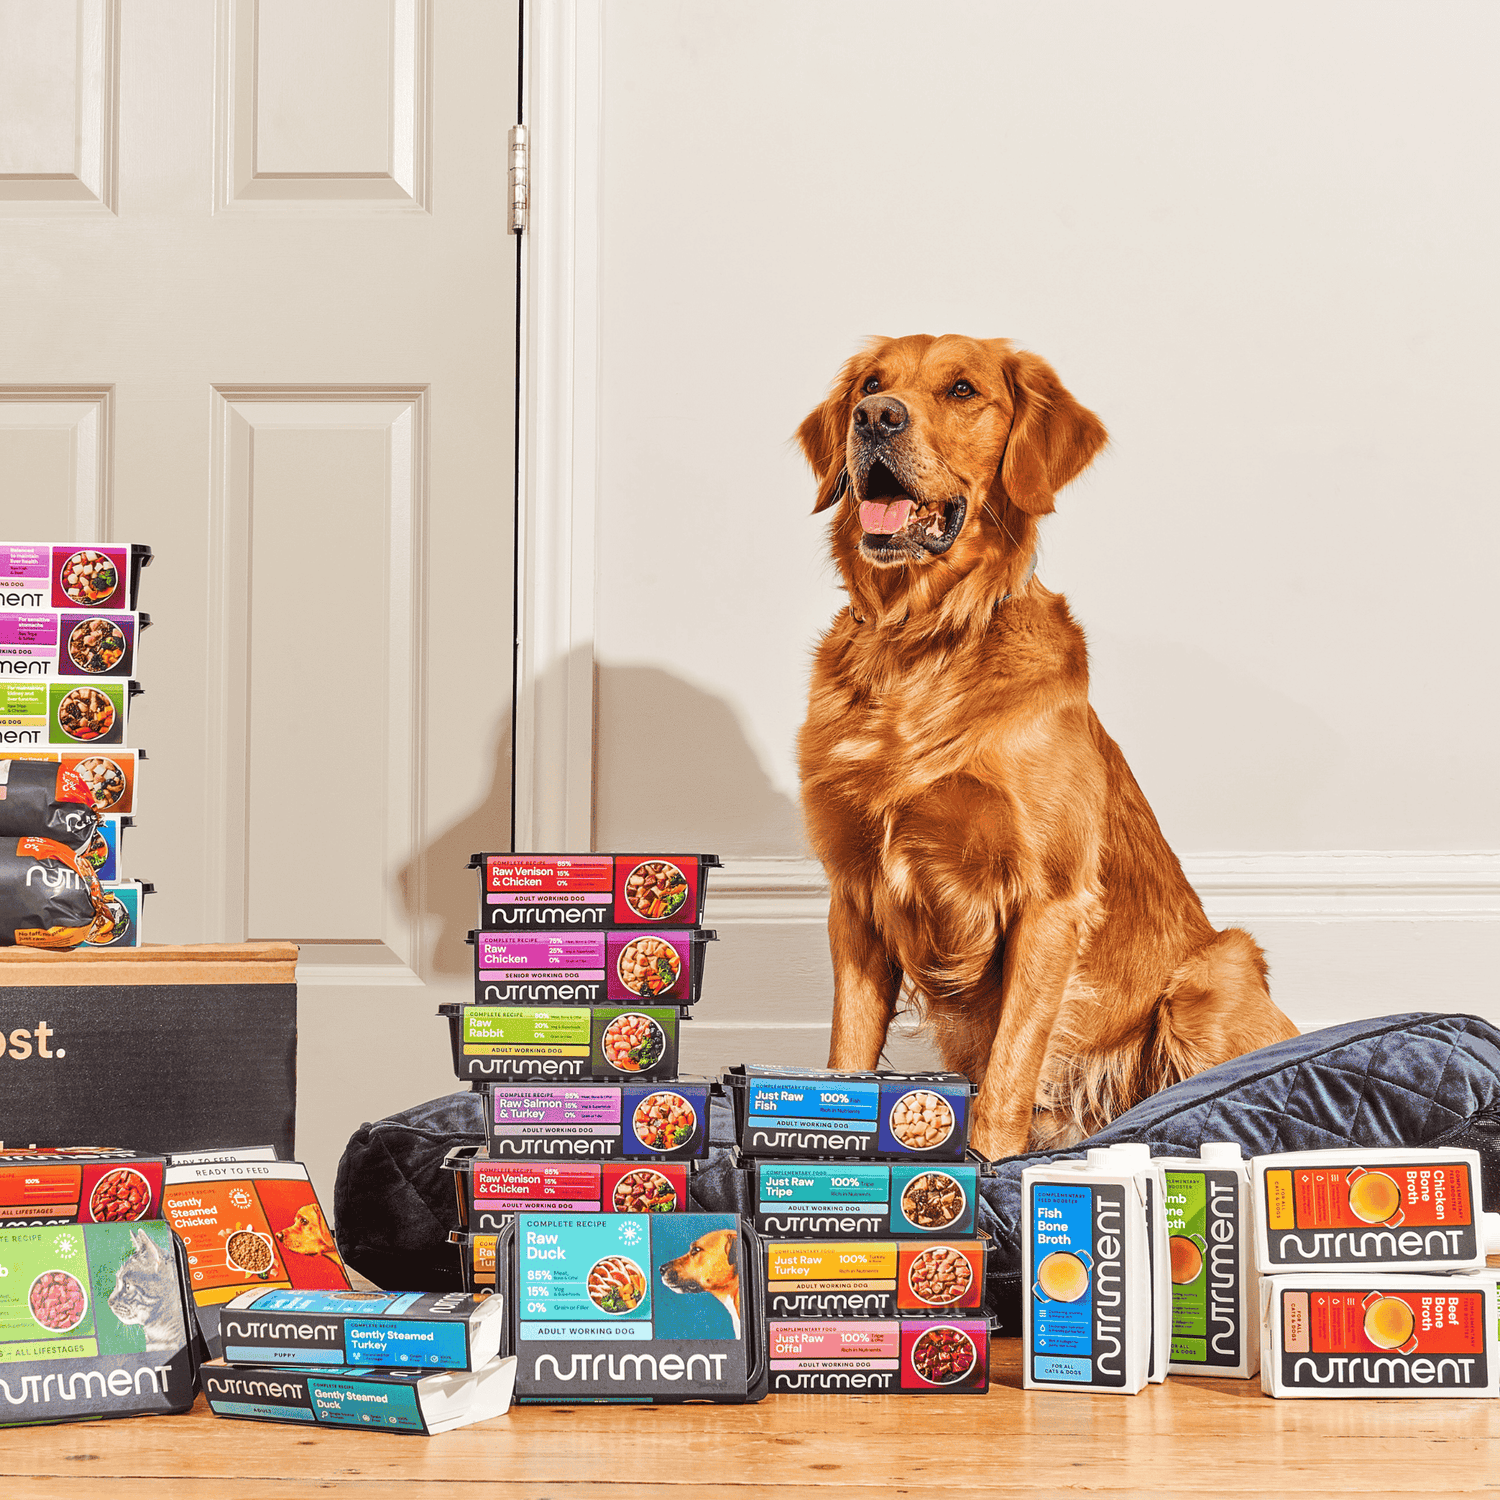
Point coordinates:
[[941, 453], [710, 1264]]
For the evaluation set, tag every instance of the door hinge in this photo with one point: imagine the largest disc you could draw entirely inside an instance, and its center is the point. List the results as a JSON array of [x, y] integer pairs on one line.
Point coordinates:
[[520, 178]]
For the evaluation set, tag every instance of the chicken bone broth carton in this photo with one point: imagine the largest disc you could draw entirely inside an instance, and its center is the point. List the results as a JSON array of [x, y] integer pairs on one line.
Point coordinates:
[[636, 1307], [1337, 1334], [810, 1112], [1377, 1209], [79, 1185], [899, 1357], [1215, 1307], [875, 1278], [521, 1043], [574, 968], [539, 891], [802, 1200], [1086, 1279], [437, 1330], [94, 1322], [645, 1120]]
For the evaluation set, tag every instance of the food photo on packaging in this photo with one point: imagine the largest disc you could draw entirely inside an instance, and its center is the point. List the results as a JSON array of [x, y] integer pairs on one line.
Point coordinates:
[[68, 643], [659, 967], [121, 926], [865, 1278], [46, 799], [818, 1199], [516, 1043], [49, 896], [656, 1121], [78, 1185], [901, 1356], [535, 891], [100, 576]]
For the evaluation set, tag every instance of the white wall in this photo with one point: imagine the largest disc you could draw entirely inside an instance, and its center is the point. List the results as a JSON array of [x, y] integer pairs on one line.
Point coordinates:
[[1260, 243]]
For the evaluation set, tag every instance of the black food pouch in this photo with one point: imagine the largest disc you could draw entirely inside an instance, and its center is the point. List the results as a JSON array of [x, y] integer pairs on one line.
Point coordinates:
[[43, 799], [49, 896]]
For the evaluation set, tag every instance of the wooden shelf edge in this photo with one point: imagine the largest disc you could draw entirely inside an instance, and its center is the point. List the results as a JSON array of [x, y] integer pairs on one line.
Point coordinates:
[[153, 963]]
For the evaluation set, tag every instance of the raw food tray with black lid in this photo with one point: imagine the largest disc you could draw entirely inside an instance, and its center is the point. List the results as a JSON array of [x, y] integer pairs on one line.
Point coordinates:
[[615, 964], [862, 1199], [524, 1044], [573, 892], [638, 1120]]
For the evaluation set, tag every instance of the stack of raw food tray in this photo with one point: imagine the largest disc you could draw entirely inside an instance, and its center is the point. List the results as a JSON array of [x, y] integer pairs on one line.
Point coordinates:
[[70, 632], [865, 1193], [585, 967]]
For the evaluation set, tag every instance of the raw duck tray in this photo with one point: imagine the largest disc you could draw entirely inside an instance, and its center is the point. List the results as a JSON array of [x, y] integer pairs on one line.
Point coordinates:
[[636, 1121], [490, 1192], [530, 1044], [792, 1113], [617, 965], [529, 892]]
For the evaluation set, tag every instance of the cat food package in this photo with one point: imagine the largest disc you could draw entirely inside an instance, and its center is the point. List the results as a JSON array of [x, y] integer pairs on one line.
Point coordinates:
[[62, 712], [520, 1043], [1086, 1310], [639, 1121], [97, 576], [68, 643], [802, 1112], [49, 897], [530, 892], [875, 1278], [377, 1400], [1369, 1209], [647, 1308], [123, 900], [94, 1322], [489, 1191], [78, 1185], [108, 775], [822, 1200], [559, 968], [435, 1330], [45, 799], [896, 1357], [1339, 1334]]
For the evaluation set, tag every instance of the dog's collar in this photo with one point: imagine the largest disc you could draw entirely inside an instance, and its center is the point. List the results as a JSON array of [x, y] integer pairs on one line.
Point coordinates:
[[1004, 600]]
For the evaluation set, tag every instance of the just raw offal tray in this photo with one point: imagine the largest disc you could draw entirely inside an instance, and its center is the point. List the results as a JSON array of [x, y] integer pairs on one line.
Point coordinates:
[[514, 1043], [809, 1112], [552, 968], [636, 1120], [820, 1199], [71, 575], [524, 892], [490, 1191], [899, 1357]]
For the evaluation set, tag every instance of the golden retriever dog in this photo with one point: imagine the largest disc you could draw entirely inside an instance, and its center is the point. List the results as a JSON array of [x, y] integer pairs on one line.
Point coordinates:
[[710, 1264], [987, 849]]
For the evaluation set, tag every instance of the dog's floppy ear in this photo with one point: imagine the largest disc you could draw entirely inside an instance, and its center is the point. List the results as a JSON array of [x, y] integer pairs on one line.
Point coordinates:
[[824, 436], [732, 1248], [1052, 438]]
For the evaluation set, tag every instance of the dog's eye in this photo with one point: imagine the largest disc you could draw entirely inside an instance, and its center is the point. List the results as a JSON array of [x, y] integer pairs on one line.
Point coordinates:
[[871, 385], [962, 389]]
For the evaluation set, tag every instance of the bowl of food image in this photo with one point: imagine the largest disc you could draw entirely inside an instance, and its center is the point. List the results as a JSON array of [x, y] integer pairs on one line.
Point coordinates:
[[633, 1043], [112, 926], [944, 1355], [648, 967], [644, 1192], [89, 578], [85, 714], [656, 889], [96, 645], [96, 851], [119, 1195], [940, 1275], [664, 1121], [250, 1251], [922, 1120], [58, 1301], [616, 1285], [933, 1201], [104, 779]]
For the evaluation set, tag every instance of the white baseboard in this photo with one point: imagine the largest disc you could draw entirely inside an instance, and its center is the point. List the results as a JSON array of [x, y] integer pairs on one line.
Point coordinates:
[[1321, 886]]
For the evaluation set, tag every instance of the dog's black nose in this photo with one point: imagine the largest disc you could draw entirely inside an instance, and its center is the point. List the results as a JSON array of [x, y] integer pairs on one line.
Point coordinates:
[[881, 416]]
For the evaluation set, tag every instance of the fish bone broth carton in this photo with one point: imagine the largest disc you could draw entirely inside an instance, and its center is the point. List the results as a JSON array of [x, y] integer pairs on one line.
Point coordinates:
[[1377, 1209], [1136, 1157], [1336, 1335], [1215, 1310], [1086, 1279]]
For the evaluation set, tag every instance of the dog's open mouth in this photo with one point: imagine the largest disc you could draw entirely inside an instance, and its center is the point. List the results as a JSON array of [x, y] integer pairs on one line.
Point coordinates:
[[894, 521]]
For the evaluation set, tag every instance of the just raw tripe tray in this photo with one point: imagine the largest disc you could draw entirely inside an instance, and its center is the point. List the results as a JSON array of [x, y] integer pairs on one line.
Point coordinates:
[[820, 1199], [530, 892]]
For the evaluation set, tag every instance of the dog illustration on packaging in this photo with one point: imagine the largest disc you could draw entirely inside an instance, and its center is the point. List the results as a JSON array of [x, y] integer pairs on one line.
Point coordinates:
[[710, 1264]]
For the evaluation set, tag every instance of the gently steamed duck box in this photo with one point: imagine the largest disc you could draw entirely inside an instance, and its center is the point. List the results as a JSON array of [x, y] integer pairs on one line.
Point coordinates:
[[807, 1112], [818, 1200], [654, 1121], [663, 967], [593, 891], [510, 1043]]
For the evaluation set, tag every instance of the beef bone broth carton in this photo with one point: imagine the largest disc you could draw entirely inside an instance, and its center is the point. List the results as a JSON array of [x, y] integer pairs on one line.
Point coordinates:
[[1370, 1209], [1331, 1335], [94, 1322], [1085, 1279], [531, 892]]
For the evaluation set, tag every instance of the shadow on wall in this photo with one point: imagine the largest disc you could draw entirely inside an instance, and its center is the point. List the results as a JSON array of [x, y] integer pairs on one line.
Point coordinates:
[[673, 770]]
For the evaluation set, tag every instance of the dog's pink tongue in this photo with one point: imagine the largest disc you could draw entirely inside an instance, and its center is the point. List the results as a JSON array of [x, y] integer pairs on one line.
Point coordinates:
[[884, 520]]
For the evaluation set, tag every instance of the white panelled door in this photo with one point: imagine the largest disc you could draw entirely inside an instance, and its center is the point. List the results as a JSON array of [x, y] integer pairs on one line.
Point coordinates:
[[260, 312]]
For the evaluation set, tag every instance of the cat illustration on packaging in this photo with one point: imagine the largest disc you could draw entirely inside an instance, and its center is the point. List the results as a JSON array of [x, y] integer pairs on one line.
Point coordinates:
[[147, 1294]]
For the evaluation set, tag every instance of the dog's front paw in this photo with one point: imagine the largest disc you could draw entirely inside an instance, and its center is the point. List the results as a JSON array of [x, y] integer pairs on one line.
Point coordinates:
[[996, 1142]]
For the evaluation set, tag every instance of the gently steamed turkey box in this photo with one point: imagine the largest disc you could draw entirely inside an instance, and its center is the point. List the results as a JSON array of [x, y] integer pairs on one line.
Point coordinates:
[[860, 1278], [898, 1357], [67, 575], [519, 1043], [663, 967], [807, 1112], [557, 891], [78, 1185], [634, 1120], [820, 1200]]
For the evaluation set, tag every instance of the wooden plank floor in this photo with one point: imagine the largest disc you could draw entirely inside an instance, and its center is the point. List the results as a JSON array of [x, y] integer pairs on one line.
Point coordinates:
[[1186, 1438]]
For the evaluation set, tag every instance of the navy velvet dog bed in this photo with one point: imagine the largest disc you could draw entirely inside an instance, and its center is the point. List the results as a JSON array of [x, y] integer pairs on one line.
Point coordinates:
[[1407, 1080]]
